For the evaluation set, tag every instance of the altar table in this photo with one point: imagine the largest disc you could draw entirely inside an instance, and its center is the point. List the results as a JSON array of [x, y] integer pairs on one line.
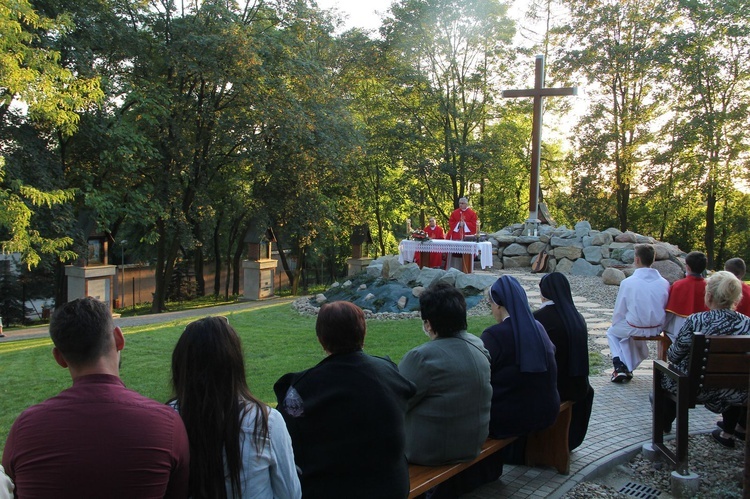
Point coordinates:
[[407, 248]]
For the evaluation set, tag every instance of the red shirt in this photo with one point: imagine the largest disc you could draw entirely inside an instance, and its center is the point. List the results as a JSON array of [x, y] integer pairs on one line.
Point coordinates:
[[743, 306], [98, 439], [687, 296]]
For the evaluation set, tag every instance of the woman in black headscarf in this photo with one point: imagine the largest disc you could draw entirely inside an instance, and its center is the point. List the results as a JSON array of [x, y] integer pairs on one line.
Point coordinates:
[[567, 330], [522, 363]]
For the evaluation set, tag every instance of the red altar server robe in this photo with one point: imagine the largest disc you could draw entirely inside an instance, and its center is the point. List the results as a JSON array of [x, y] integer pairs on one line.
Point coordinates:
[[436, 259], [469, 218]]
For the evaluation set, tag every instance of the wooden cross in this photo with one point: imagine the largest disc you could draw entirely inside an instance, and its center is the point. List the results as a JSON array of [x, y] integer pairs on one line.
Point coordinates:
[[538, 93]]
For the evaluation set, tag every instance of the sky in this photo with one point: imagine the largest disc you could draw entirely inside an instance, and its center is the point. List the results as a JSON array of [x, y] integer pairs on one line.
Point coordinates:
[[361, 13]]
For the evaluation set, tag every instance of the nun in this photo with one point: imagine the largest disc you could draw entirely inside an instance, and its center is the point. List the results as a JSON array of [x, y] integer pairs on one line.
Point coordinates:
[[567, 329]]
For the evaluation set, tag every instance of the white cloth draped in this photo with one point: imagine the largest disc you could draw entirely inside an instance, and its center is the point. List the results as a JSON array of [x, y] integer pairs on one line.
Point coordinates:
[[407, 248]]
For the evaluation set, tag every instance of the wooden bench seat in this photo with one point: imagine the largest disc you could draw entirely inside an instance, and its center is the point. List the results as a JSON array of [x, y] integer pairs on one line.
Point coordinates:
[[548, 447], [662, 347], [423, 478], [715, 362]]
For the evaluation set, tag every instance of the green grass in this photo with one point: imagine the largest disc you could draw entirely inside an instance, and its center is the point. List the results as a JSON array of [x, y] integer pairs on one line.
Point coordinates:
[[275, 339]]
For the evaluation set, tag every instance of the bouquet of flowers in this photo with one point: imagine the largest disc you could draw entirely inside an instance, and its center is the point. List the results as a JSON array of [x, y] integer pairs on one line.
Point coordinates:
[[419, 235]]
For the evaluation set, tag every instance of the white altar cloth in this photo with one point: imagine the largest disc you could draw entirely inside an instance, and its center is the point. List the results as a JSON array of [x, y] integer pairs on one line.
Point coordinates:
[[407, 248]]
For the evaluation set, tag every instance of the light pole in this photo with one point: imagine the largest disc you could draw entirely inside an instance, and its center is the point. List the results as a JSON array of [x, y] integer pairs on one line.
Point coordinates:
[[122, 263]]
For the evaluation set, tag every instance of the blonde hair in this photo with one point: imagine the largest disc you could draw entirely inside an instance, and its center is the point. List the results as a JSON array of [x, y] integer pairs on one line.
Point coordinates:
[[724, 288]]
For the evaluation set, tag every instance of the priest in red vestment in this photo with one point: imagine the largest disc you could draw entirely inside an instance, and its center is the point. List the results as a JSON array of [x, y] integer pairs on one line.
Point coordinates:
[[434, 231], [463, 221], [686, 296]]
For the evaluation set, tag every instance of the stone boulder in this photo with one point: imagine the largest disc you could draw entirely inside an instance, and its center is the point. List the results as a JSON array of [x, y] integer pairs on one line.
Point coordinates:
[[513, 262], [613, 276], [582, 229], [417, 291], [428, 276], [569, 252], [669, 270], [565, 242], [407, 273], [479, 282], [515, 249], [536, 248], [627, 237], [563, 265], [584, 268], [593, 254], [628, 256]]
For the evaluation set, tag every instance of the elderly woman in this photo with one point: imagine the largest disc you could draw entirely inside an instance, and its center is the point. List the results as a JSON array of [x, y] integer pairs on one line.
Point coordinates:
[[346, 414], [723, 292], [567, 329]]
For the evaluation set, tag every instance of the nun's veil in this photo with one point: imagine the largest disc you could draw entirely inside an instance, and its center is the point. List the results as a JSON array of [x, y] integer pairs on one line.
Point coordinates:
[[531, 354], [557, 288]]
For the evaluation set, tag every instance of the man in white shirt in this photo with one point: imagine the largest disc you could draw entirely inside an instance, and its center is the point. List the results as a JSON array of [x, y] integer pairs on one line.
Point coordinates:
[[639, 311]]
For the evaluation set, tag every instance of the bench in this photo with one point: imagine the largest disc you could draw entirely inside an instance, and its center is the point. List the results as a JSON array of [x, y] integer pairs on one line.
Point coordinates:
[[662, 347], [715, 362], [548, 447]]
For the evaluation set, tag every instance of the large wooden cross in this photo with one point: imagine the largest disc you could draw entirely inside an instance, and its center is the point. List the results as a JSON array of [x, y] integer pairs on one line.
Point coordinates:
[[538, 93]]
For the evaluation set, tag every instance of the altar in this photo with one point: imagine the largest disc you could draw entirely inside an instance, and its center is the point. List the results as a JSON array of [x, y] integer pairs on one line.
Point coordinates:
[[407, 249]]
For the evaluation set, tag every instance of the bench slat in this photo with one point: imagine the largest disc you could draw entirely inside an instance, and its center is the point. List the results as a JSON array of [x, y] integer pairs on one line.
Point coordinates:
[[423, 478]]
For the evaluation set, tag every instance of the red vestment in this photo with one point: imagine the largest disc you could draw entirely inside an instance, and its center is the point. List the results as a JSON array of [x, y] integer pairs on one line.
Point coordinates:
[[687, 296], [436, 259], [469, 217], [743, 306]]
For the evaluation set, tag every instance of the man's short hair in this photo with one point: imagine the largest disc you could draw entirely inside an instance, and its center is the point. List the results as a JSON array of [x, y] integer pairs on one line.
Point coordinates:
[[736, 266], [341, 327], [82, 330], [445, 307], [645, 252], [697, 261], [464, 199]]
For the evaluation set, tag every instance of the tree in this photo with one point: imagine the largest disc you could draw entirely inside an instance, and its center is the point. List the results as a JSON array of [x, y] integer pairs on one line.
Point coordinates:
[[711, 73], [35, 88], [449, 49], [621, 54]]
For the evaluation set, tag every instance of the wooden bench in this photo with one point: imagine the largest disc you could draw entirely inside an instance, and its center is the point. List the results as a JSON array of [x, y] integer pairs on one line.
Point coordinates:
[[715, 362], [548, 447], [662, 347]]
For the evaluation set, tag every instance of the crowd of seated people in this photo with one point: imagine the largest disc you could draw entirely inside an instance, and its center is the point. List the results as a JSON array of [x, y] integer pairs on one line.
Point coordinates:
[[350, 425]]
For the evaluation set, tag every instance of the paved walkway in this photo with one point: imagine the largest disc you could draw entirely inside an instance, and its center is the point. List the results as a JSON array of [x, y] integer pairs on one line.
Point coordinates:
[[620, 421]]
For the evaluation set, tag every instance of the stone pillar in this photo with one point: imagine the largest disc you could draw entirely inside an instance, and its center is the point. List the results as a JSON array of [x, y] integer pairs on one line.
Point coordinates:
[[258, 275], [95, 282], [356, 265]]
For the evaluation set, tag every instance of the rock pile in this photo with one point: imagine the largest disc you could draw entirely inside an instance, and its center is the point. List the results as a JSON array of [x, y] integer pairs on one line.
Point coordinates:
[[583, 251]]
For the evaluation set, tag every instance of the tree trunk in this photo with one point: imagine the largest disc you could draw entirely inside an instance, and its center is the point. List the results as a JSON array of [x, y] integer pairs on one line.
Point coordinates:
[[710, 226], [217, 258]]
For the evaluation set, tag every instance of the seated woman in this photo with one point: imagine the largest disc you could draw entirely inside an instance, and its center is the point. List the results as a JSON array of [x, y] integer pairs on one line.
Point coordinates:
[[239, 447], [723, 292], [524, 372], [346, 414], [448, 417], [567, 329]]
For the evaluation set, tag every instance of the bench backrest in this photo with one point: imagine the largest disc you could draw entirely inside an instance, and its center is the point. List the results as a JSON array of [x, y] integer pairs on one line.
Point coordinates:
[[718, 362]]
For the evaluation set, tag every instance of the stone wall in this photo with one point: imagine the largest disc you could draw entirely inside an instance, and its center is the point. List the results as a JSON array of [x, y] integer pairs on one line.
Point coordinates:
[[583, 251]]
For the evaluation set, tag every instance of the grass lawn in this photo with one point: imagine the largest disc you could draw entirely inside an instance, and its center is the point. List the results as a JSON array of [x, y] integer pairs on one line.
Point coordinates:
[[276, 340]]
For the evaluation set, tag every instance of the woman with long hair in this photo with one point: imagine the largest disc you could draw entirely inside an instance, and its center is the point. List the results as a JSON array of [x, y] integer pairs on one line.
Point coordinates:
[[239, 447], [567, 329]]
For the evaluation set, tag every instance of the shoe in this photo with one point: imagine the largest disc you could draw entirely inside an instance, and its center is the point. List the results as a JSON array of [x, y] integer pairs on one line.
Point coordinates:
[[619, 376], [629, 375], [738, 434], [726, 442]]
